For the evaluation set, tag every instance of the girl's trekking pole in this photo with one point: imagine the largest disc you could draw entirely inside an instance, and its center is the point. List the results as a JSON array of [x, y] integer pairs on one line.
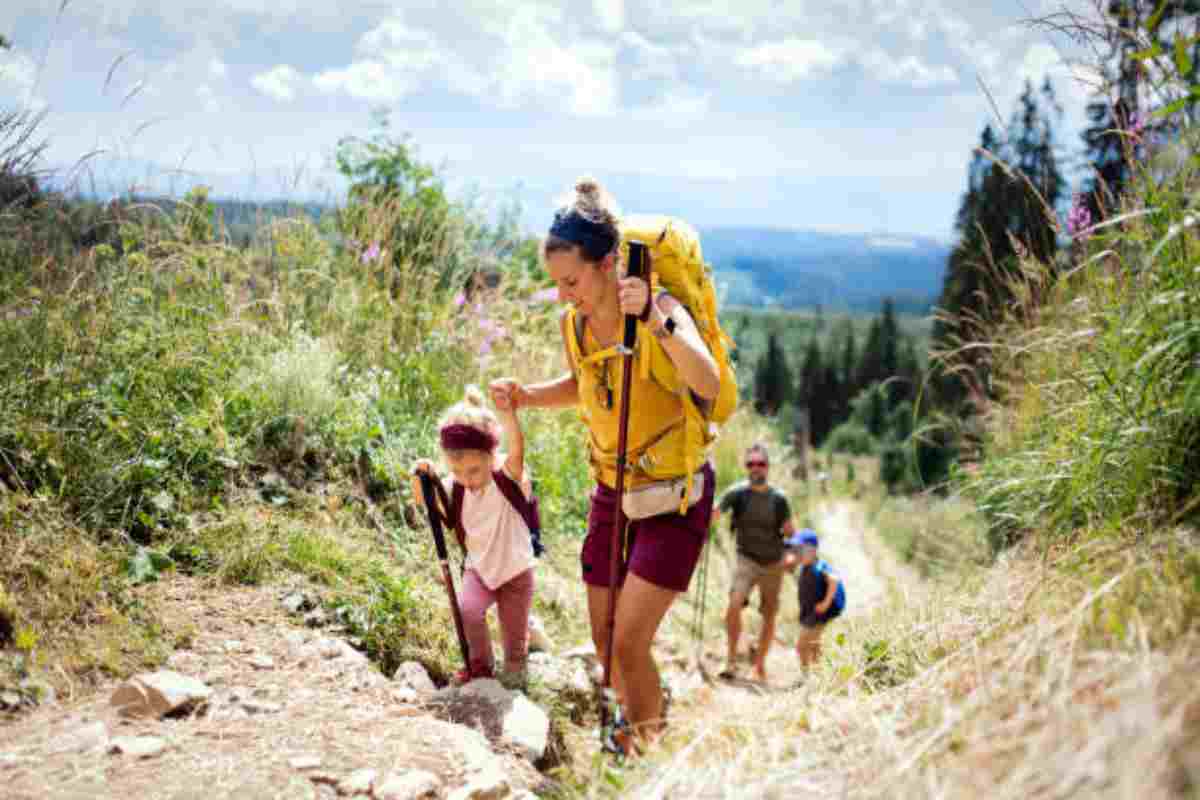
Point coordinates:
[[439, 541], [636, 269]]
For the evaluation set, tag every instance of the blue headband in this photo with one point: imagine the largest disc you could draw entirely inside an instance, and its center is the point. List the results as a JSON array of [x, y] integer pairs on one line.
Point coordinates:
[[595, 239]]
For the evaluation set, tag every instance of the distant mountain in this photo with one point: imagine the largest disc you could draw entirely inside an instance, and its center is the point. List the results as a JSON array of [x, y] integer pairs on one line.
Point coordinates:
[[797, 268]]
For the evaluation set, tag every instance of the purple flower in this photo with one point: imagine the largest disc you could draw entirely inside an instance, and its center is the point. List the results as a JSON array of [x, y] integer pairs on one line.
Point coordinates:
[[486, 347], [459, 299], [1079, 219], [371, 253], [545, 295], [1137, 123]]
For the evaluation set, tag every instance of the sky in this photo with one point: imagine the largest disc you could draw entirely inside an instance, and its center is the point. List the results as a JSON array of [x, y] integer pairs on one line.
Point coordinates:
[[843, 115]]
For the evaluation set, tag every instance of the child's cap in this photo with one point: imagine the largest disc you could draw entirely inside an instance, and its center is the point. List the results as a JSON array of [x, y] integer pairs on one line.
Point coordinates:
[[806, 537]]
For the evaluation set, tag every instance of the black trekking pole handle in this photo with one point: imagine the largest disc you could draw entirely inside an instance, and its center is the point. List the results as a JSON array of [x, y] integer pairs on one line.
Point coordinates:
[[637, 268], [439, 542]]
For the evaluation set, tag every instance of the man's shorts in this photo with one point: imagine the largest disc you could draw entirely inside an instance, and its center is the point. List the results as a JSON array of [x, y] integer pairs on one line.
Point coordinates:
[[767, 577]]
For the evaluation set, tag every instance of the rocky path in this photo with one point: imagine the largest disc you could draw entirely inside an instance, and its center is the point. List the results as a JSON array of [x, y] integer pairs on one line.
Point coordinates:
[[268, 708]]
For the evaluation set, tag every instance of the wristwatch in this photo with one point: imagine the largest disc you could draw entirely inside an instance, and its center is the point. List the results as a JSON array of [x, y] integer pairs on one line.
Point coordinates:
[[666, 330]]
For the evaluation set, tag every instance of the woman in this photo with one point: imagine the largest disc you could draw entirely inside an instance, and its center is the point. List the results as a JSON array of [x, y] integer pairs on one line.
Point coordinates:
[[582, 255]]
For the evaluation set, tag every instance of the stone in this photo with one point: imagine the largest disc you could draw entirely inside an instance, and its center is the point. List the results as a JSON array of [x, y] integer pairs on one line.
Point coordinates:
[[157, 694], [357, 782], [559, 675], [137, 746], [253, 706], [414, 785], [317, 618], [491, 785], [295, 602], [405, 695], [539, 641], [585, 652], [510, 717], [92, 736], [233, 646], [262, 662], [38, 693], [412, 675], [10, 701], [304, 762]]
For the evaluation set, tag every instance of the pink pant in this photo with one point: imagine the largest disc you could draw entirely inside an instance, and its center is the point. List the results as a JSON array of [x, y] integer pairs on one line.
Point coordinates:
[[514, 600]]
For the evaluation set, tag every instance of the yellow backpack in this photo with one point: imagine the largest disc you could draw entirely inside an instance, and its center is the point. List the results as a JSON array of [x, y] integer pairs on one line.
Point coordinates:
[[677, 267]]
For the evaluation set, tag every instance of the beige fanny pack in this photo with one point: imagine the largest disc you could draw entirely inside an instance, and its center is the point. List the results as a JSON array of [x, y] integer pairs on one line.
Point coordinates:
[[661, 497]]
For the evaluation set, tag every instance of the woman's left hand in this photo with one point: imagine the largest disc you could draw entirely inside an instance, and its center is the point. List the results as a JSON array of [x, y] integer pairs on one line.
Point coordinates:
[[632, 296]]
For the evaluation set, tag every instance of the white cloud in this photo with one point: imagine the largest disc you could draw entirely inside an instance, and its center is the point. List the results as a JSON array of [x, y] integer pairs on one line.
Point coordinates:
[[611, 14], [217, 68], [517, 58], [208, 98], [908, 70], [18, 74], [365, 80], [789, 60], [279, 82]]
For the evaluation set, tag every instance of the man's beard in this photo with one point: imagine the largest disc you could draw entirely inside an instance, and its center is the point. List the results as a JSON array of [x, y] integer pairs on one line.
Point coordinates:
[[758, 480]]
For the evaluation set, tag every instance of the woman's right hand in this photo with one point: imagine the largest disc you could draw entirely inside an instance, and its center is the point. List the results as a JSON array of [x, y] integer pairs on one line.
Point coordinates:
[[422, 466]]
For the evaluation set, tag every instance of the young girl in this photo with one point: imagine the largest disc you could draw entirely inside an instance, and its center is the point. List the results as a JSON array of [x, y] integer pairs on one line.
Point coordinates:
[[500, 553]]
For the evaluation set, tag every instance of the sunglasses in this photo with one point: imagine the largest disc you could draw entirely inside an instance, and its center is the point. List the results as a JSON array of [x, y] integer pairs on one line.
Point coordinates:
[[753, 464]]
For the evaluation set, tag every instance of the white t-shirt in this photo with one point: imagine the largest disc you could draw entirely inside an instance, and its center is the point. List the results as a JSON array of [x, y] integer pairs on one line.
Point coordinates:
[[498, 546]]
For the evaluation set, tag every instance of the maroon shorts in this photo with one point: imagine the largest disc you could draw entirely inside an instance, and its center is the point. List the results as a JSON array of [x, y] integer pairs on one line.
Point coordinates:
[[662, 550]]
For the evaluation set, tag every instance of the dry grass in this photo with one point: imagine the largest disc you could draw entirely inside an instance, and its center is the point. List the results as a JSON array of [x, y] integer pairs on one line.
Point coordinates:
[[1005, 683]]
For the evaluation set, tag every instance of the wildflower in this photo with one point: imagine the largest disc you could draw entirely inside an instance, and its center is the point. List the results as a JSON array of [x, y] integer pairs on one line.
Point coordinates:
[[485, 347], [1079, 219], [371, 253], [545, 295], [1137, 123], [459, 299]]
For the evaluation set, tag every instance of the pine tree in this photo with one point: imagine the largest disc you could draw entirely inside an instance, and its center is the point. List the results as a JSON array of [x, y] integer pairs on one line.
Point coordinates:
[[772, 378]]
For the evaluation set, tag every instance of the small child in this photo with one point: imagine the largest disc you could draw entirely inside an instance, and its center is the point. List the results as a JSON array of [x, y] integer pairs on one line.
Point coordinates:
[[497, 537], [822, 595]]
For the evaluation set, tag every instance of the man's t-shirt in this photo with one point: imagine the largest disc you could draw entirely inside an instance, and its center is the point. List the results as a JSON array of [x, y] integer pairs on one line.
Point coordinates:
[[812, 582], [757, 520]]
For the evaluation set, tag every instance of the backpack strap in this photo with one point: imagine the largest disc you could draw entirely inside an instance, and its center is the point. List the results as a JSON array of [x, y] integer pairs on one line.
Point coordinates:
[[525, 506], [780, 511]]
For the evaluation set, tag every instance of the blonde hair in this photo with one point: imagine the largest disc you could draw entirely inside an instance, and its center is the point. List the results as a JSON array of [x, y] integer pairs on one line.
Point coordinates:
[[472, 412], [594, 203]]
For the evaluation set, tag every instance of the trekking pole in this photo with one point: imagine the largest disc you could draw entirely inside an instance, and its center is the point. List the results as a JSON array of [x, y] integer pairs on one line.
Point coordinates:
[[636, 269], [439, 542]]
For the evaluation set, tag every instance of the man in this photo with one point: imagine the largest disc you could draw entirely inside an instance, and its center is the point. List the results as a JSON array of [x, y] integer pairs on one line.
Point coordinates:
[[822, 594], [761, 519]]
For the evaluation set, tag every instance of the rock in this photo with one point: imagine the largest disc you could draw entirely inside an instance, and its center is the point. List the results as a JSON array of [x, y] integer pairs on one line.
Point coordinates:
[[412, 675], [10, 701], [539, 641], [584, 652], [509, 717], [560, 675], [38, 693], [261, 707], [137, 746], [262, 662], [405, 695], [233, 646], [295, 602], [357, 782], [317, 618], [489, 786], [92, 736], [414, 785], [304, 762], [156, 694]]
